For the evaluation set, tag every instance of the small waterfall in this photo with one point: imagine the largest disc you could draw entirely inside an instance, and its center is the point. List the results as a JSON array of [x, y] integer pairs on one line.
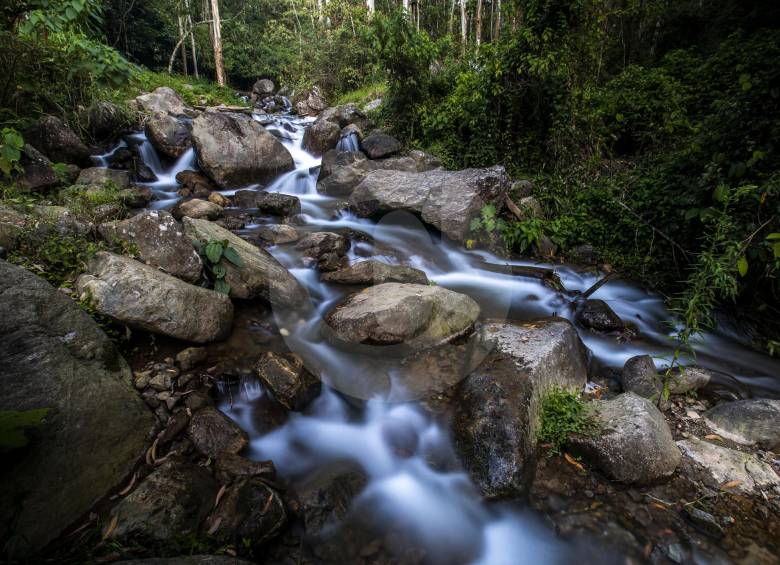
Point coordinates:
[[349, 142]]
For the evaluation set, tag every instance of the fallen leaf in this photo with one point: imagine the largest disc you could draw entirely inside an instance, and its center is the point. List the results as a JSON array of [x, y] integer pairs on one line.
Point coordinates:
[[219, 495], [573, 461], [714, 437], [658, 505], [731, 484], [125, 490], [111, 526], [215, 526]]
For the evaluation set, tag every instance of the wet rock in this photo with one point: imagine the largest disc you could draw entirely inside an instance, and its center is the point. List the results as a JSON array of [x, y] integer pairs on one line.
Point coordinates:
[[277, 204], [104, 120], [263, 88], [375, 272], [230, 466], [137, 197], [633, 443], [747, 422], [197, 209], [213, 433], [55, 356], [415, 316], [277, 234], [321, 136], [318, 243], [326, 501], [219, 199], [334, 159], [197, 183], [11, 225], [168, 135], [640, 377], [39, 173], [160, 242], [261, 276], [496, 411], [287, 378], [689, 379], [191, 357], [448, 200], [342, 181], [176, 425], [235, 150], [52, 137], [101, 176], [162, 100], [144, 298], [311, 103], [597, 315], [249, 510], [743, 472], [379, 145], [329, 262], [169, 504]]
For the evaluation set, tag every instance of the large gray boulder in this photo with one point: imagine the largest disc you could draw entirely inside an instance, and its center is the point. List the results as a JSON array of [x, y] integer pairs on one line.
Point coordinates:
[[448, 200], [163, 100], [54, 356], [11, 225], [234, 150], [748, 422], [321, 136], [261, 275], [497, 409], [168, 135], [311, 103], [633, 443], [346, 115], [263, 88], [379, 145], [375, 272], [410, 315], [160, 242], [145, 298], [52, 137], [98, 176]]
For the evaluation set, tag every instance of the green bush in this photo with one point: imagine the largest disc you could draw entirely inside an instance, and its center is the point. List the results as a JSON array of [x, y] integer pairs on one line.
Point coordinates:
[[563, 414]]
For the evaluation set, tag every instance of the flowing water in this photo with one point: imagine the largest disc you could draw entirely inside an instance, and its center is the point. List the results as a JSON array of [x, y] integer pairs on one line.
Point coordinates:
[[420, 488]]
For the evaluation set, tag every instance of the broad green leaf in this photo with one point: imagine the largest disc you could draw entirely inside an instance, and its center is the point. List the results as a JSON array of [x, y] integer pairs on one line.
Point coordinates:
[[773, 236], [742, 266], [221, 286], [219, 271], [720, 193], [214, 252], [232, 255], [776, 250]]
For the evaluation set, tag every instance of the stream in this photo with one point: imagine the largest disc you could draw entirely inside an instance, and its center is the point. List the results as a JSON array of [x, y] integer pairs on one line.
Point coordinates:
[[414, 482]]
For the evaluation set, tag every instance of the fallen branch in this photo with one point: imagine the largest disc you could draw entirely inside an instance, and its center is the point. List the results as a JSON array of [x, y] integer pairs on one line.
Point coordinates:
[[514, 208], [598, 284]]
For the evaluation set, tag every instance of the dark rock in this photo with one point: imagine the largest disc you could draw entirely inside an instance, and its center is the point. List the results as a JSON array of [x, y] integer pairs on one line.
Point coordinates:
[[584, 254], [545, 247], [329, 262], [379, 145], [334, 159], [277, 204], [176, 425], [191, 357], [188, 560], [640, 377], [230, 466], [633, 443], [137, 197], [597, 315], [321, 136], [521, 188], [213, 433], [39, 174], [160, 242], [342, 181], [11, 225], [168, 135], [285, 375], [747, 422], [197, 183], [55, 356], [375, 272], [57, 141], [497, 407], [326, 501], [318, 243]]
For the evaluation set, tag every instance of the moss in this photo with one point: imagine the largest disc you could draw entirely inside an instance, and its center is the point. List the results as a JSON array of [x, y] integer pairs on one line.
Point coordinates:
[[564, 414]]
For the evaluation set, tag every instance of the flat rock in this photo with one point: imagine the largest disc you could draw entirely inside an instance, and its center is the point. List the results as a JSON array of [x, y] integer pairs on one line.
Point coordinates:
[[722, 465], [213, 433], [277, 204], [160, 241], [496, 411], [747, 422], [234, 150], [55, 356], [415, 316], [316, 244], [197, 209], [145, 298], [262, 276], [168, 135], [448, 200], [597, 315], [285, 375], [375, 272], [633, 443], [163, 100]]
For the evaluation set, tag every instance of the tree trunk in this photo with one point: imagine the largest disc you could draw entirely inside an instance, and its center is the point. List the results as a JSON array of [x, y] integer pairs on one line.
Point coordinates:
[[216, 40], [478, 24], [498, 21], [463, 28], [192, 38], [370, 6], [182, 37], [451, 26], [405, 7]]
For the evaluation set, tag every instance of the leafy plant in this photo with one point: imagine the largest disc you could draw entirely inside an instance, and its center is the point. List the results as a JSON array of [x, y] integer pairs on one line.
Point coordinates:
[[11, 145], [14, 426], [214, 254], [563, 414]]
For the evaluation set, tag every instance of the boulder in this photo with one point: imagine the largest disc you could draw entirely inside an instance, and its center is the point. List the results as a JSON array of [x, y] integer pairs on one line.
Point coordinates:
[[196, 183], [346, 115], [379, 145], [136, 197], [277, 234], [333, 159], [104, 120], [249, 510], [316, 244], [321, 136], [55, 357], [261, 276], [412, 315], [197, 209], [168, 135], [11, 225], [145, 298], [213, 433], [292, 385], [52, 137], [640, 377], [330, 262], [160, 242], [342, 181], [311, 103], [230, 466], [277, 204], [719, 465], [219, 199], [100, 175], [375, 272], [747, 422], [448, 200], [39, 173], [497, 407], [235, 150], [633, 443], [168, 505], [689, 379], [597, 315], [263, 87], [162, 100]]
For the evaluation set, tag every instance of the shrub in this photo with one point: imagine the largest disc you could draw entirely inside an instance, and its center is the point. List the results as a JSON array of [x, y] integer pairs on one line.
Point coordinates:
[[563, 414]]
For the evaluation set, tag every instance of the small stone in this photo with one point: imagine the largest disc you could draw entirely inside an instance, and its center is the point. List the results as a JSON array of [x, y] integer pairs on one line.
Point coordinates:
[[212, 433], [219, 199], [693, 415], [291, 383], [191, 357], [142, 379]]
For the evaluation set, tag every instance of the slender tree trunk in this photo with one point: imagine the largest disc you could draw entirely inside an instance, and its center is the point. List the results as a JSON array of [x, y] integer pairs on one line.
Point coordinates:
[[191, 26], [405, 7], [216, 40], [478, 24], [370, 6], [463, 24], [451, 26], [182, 38], [498, 21]]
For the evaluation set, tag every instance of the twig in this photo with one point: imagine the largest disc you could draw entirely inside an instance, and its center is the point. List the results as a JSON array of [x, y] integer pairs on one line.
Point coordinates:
[[601, 282]]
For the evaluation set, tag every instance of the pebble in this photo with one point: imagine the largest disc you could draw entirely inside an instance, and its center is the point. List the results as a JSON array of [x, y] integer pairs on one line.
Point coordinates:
[[693, 415], [284, 332]]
